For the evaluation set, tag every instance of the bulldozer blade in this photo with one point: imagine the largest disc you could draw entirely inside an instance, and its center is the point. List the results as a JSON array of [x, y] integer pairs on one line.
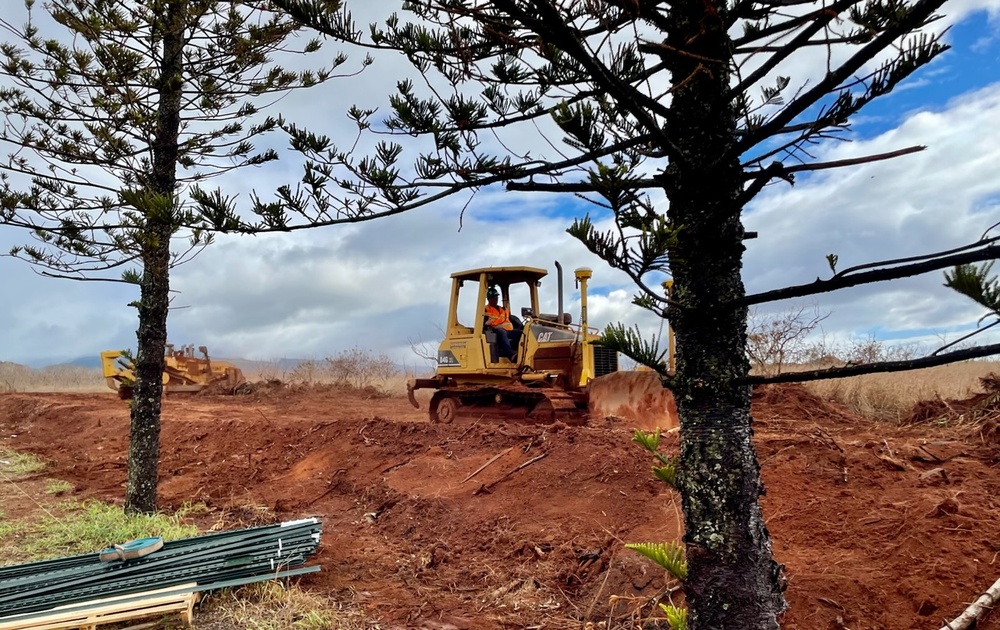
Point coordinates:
[[421, 383], [637, 398]]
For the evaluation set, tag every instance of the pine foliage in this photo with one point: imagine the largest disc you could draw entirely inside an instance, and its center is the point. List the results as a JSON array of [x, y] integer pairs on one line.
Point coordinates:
[[666, 471], [84, 98], [975, 283], [669, 555], [630, 342], [676, 617]]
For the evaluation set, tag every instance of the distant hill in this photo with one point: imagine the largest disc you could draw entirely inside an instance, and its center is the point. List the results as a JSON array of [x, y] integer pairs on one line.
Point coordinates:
[[85, 361], [50, 362], [278, 366]]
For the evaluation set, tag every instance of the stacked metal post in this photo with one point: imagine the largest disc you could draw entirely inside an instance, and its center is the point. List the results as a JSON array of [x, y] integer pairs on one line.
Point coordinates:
[[211, 561]]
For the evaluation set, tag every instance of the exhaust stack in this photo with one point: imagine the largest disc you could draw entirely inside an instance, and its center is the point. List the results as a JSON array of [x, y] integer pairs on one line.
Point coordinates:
[[586, 373], [559, 288]]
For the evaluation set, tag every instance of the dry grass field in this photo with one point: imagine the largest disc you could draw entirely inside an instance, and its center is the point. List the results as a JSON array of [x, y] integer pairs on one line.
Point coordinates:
[[880, 397], [355, 368], [15, 377], [891, 397]]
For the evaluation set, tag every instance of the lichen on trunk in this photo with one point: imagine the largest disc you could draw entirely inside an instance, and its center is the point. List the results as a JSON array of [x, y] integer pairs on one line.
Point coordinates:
[[144, 431], [733, 581]]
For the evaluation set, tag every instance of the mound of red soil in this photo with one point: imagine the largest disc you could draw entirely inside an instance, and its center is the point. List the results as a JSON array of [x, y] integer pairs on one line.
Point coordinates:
[[976, 407], [493, 525]]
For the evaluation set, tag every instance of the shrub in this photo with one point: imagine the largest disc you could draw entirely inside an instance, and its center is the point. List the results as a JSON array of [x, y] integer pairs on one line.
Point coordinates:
[[775, 339], [361, 368]]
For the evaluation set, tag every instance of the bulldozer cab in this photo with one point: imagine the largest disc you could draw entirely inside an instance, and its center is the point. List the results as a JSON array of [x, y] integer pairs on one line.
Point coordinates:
[[543, 343], [469, 342]]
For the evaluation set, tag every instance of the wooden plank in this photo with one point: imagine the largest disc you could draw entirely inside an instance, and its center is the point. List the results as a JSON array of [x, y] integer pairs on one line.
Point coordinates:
[[87, 614], [180, 589], [93, 621]]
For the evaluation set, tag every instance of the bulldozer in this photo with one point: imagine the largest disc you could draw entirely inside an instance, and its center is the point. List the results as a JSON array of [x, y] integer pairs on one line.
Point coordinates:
[[558, 371], [183, 371]]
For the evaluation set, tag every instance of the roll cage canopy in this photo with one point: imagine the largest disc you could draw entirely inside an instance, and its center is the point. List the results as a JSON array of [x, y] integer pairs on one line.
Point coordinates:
[[503, 276]]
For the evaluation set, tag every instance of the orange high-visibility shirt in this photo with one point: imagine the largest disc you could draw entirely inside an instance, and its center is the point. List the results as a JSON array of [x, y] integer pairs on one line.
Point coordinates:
[[497, 317]]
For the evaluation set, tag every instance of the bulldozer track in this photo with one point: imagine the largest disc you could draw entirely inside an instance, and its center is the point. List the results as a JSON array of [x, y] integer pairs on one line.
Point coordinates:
[[514, 403]]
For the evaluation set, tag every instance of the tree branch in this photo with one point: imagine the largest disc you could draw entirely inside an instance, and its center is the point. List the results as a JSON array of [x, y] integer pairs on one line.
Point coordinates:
[[788, 25], [990, 252], [576, 187], [916, 15], [456, 187], [638, 104], [760, 178], [820, 19], [818, 166], [875, 368]]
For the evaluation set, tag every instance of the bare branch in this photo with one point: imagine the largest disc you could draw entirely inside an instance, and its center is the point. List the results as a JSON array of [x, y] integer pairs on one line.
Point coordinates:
[[875, 368], [989, 252]]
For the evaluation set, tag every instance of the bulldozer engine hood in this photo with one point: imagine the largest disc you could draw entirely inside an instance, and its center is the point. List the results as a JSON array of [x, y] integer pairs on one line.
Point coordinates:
[[545, 334]]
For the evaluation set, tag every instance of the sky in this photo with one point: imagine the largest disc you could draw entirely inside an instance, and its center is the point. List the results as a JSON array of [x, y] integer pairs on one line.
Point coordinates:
[[383, 286]]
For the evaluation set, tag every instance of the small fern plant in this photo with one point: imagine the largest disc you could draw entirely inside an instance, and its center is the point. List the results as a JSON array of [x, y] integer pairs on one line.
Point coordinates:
[[667, 470], [669, 555], [677, 618]]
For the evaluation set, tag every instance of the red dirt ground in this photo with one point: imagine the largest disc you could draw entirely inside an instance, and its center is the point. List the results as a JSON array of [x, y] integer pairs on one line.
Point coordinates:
[[878, 526]]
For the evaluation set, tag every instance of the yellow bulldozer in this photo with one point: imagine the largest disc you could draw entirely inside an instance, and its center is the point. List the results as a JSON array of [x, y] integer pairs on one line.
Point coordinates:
[[183, 372], [557, 371]]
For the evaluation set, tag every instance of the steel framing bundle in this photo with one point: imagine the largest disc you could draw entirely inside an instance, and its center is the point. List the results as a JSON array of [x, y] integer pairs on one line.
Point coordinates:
[[191, 565]]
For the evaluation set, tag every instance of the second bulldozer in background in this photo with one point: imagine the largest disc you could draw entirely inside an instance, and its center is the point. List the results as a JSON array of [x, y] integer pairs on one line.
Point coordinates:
[[183, 372]]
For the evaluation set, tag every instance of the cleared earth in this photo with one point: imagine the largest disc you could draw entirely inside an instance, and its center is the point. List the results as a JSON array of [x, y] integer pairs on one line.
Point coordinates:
[[878, 526]]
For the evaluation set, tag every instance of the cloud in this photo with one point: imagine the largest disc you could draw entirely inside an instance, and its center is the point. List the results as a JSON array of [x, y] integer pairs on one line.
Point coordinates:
[[44, 320], [943, 197]]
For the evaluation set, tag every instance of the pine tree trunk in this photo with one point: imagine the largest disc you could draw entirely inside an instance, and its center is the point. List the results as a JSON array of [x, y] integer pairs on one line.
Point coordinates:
[[144, 433], [733, 581], [154, 302]]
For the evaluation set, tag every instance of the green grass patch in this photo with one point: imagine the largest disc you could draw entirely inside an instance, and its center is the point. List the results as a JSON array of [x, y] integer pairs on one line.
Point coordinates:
[[9, 543], [14, 463], [57, 486], [74, 528]]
